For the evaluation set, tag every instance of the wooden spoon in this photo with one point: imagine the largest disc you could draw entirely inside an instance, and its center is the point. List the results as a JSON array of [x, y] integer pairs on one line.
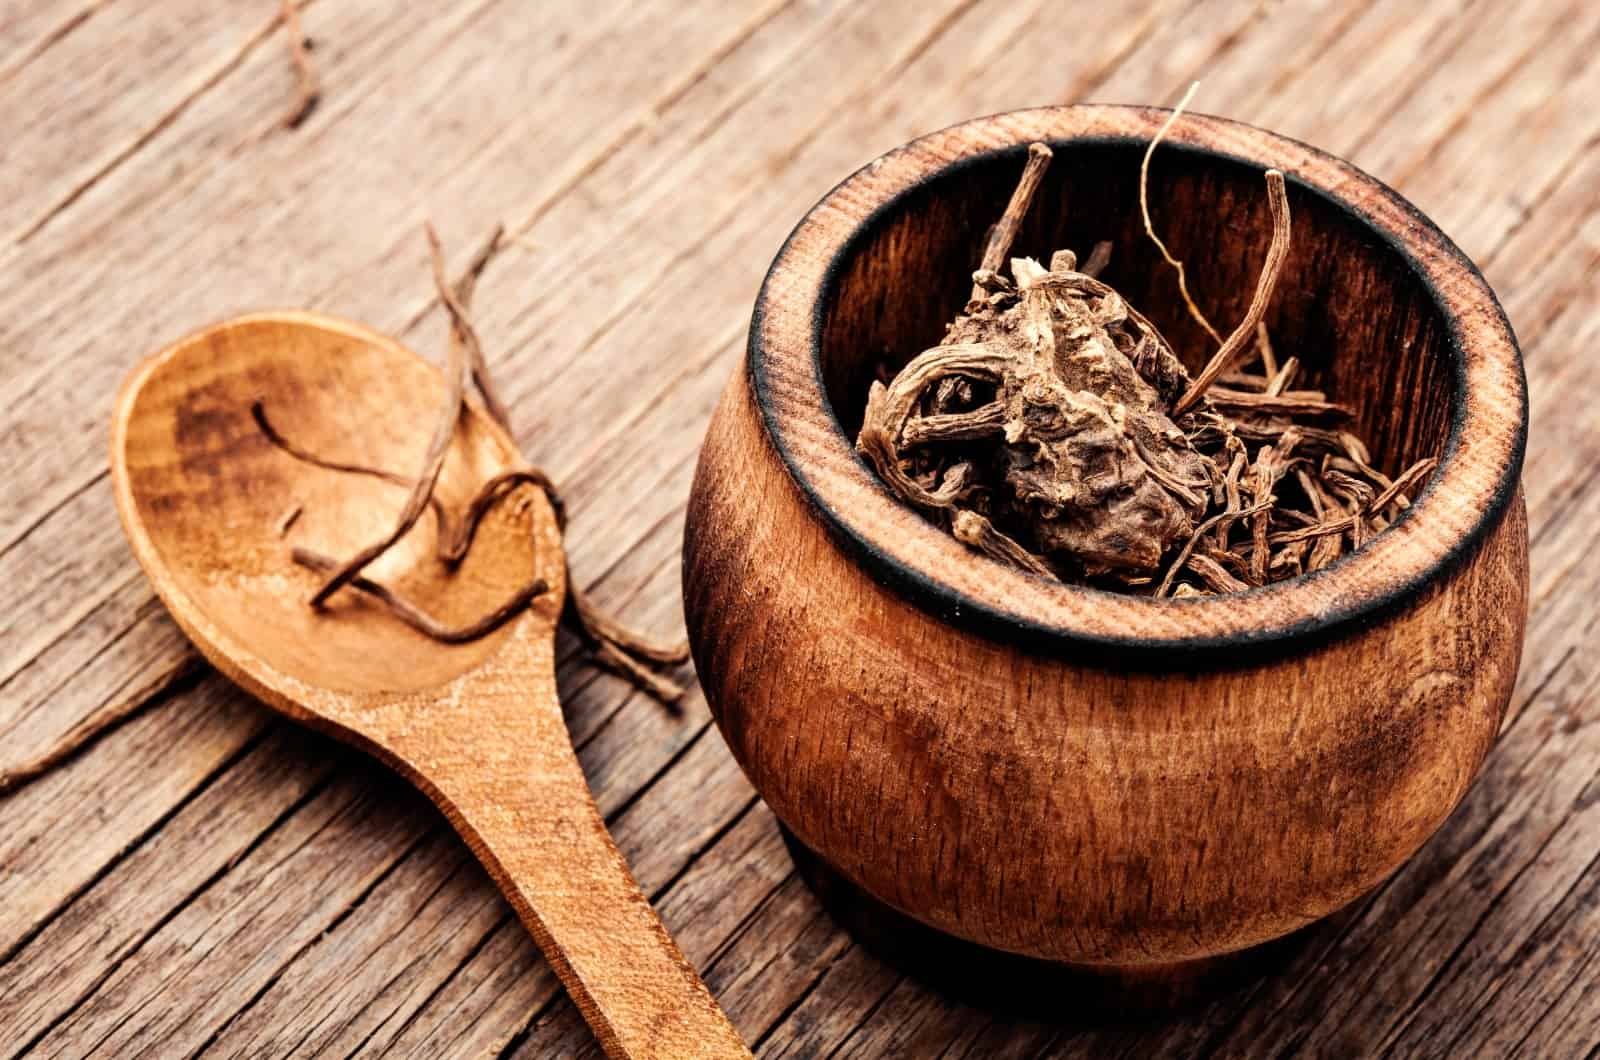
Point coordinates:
[[204, 497]]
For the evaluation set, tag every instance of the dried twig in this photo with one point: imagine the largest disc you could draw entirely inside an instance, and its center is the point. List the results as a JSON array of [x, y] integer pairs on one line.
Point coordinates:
[[611, 643], [415, 616], [259, 412], [1278, 200], [1005, 232], [1099, 259], [1269, 356], [974, 530], [454, 550], [1396, 491], [1220, 520], [1280, 380], [308, 91], [623, 661], [290, 516], [1293, 403], [456, 300], [1215, 575], [433, 459], [91, 729], [1271, 465], [86, 732]]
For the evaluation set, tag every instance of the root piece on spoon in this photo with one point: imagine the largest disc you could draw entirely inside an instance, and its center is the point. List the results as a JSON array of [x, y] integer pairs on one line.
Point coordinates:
[[611, 644], [417, 618], [433, 459]]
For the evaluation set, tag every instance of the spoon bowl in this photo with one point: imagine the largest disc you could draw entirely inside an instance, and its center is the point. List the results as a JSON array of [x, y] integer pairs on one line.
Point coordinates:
[[212, 505], [211, 492]]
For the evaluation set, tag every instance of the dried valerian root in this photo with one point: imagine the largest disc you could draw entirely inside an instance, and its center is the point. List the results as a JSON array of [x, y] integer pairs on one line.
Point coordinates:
[[1055, 429], [422, 490], [416, 617], [611, 644]]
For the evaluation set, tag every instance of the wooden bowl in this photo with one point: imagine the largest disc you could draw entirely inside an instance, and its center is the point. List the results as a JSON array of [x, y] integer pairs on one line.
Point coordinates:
[[1070, 774]]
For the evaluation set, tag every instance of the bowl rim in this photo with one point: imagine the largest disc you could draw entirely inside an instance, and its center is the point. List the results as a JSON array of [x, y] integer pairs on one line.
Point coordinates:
[[1465, 498]]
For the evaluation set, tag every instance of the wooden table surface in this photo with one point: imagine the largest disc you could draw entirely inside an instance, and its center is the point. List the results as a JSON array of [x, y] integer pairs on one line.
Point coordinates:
[[209, 878]]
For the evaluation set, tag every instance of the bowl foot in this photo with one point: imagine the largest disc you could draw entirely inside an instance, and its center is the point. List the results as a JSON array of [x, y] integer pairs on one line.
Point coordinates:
[[1027, 987]]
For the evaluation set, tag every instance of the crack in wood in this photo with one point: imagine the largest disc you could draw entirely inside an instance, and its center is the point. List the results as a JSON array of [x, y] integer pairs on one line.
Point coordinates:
[[49, 39]]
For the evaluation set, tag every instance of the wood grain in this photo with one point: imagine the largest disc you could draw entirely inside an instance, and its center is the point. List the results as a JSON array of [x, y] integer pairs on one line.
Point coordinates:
[[657, 155]]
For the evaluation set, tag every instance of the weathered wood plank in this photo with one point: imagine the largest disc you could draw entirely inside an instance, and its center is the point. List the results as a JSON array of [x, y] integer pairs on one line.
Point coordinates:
[[1532, 117], [29, 30], [64, 828], [481, 1005], [727, 150], [64, 139], [301, 239], [910, 1020], [839, 998], [114, 641], [1528, 951], [1554, 989], [228, 941], [354, 988], [61, 964]]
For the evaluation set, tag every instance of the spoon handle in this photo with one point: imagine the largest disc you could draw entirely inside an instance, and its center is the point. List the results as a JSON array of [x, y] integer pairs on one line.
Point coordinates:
[[511, 784]]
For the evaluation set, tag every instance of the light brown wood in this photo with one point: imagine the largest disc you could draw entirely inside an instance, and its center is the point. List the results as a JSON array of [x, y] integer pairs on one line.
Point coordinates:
[[1070, 774], [657, 156], [477, 726]]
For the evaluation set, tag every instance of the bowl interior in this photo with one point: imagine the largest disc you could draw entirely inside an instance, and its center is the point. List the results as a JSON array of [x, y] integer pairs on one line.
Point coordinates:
[[1350, 305]]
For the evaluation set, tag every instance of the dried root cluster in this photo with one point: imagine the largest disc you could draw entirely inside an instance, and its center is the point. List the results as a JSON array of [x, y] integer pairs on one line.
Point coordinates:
[[1055, 429], [639, 658]]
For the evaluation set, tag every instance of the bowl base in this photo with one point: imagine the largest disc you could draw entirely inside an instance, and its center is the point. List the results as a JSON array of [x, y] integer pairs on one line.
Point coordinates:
[[1027, 987]]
